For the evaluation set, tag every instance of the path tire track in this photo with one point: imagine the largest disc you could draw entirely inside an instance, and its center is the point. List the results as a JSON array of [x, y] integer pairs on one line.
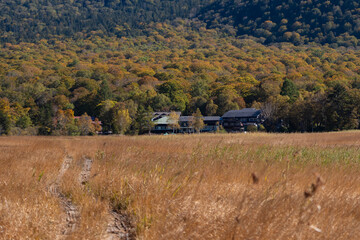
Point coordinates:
[[86, 170], [120, 227], [72, 212]]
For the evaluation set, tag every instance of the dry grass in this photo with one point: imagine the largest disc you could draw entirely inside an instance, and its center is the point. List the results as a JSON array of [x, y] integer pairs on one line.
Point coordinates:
[[231, 186]]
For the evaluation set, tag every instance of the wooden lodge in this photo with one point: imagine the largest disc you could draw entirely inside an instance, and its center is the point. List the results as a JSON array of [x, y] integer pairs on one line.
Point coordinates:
[[239, 120]]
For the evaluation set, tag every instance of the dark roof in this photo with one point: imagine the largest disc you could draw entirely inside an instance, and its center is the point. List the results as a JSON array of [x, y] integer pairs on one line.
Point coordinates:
[[245, 112], [207, 118], [185, 118], [212, 118]]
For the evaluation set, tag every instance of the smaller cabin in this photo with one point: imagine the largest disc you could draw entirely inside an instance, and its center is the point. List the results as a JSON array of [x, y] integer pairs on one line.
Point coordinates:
[[185, 124], [162, 122], [212, 124]]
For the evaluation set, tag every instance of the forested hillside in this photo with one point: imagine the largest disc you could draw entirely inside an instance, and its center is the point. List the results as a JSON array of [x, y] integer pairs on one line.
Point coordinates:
[[179, 67], [335, 22], [30, 20], [121, 60]]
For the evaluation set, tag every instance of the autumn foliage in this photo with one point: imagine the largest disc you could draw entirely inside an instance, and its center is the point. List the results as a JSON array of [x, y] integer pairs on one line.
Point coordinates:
[[122, 80]]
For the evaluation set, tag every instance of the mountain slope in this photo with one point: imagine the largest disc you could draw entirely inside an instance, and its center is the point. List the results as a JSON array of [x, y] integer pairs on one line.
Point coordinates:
[[30, 20], [336, 22], [296, 21]]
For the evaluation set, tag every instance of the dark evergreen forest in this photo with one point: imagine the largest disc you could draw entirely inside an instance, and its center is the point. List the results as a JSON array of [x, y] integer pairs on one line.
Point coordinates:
[[327, 22], [334, 22], [31, 20]]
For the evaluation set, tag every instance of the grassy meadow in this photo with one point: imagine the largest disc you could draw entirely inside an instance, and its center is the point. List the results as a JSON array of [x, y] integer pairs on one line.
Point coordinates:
[[208, 186]]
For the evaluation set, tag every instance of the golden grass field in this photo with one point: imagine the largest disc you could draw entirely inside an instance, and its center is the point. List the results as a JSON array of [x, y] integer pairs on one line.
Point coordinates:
[[223, 186]]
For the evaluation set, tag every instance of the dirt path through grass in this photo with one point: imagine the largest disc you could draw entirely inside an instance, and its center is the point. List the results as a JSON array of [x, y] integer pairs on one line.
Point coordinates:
[[120, 227], [119, 224], [86, 170], [72, 212]]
